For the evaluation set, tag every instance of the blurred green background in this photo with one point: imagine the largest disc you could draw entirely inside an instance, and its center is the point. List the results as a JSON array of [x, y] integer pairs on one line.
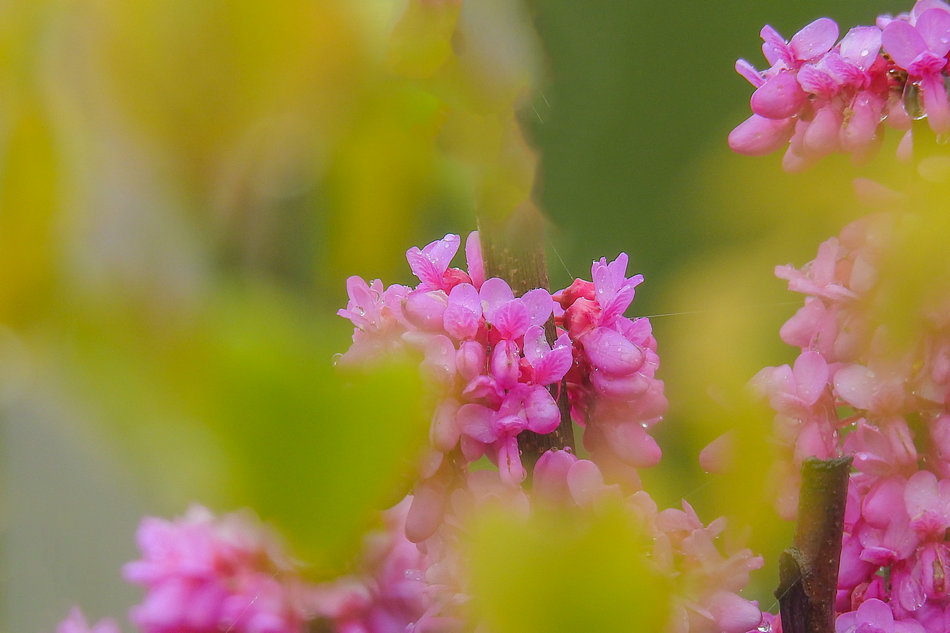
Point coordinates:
[[185, 186]]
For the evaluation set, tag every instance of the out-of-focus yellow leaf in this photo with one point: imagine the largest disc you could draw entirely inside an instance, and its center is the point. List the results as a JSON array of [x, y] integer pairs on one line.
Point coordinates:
[[200, 75], [566, 572], [422, 39], [29, 195], [381, 175]]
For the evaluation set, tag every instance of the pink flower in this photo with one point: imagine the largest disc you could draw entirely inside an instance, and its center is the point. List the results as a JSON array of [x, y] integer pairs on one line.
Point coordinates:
[[431, 262], [921, 50], [206, 574], [613, 290], [376, 314], [874, 616], [928, 504]]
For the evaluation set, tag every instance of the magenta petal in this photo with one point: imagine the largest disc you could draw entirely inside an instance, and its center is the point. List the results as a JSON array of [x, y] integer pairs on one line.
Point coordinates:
[[811, 376], [505, 364], [428, 507], [473, 257], [441, 252], [459, 322], [541, 411], [477, 422], [816, 81], [470, 359], [539, 304], [855, 385], [511, 319], [535, 345], [846, 622], [631, 443], [467, 296], [425, 310], [861, 46], [875, 613], [494, 293], [444, 432], [555, 364], [859, 132], [903, 43], [585, 482], [610, 351], [779, 97], [509, 462], [884, 504], [758, 135], [934, 27], [774, 47], [814, 39], [925, 5], [821, 137], [430, 263], [732, 613], [550, 476], [935, 103], [748, 71]]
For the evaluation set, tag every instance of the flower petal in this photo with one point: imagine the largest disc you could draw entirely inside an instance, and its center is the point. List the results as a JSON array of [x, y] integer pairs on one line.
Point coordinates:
[[758, 135], [814, 39], [780, 97]]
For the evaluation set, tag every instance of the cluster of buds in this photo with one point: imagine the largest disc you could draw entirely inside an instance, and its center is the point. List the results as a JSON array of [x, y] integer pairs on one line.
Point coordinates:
[[821, 95], [872, 381]]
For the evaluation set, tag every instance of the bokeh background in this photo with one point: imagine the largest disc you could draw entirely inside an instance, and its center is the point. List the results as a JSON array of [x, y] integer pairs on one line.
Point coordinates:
[[185, 186]]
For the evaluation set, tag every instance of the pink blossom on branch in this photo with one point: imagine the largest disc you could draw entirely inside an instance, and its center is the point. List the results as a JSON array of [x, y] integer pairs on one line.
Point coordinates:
[[204, 573], [820, 95]]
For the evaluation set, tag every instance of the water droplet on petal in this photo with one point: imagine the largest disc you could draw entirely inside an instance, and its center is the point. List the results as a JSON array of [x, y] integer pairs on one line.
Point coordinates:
[[765, 627], [414, 574], [913, 104]]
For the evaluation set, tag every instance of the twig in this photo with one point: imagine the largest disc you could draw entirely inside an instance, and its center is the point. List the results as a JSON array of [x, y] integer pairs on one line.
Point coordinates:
[[808, 570]]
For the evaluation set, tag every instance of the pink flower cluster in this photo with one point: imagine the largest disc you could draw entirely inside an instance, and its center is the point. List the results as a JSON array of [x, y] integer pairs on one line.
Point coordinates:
[[497, 375], [871, 387], [821, 95], [204, 575]]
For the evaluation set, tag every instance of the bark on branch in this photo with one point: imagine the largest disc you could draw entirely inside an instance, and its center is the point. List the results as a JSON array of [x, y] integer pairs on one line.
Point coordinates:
[[808, 570], [513, 249]]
